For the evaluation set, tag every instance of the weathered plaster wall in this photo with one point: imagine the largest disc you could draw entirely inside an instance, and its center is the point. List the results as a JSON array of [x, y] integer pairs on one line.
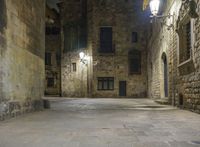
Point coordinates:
[[164, 40], [22, 56]]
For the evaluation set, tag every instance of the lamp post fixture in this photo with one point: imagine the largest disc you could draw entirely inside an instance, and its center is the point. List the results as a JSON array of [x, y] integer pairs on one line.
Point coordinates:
[[83, 58], [154, 7]]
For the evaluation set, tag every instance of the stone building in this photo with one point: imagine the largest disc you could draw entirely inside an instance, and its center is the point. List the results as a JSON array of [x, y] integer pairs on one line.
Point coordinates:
[[112, 36], [122, 54], [52, 52], [22, 47], [173, 55]]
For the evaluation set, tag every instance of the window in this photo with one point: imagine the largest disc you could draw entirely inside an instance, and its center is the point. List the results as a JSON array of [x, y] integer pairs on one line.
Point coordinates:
[[185, 42], [50, 82], [74, 67], [105, 83], [47, 58], [135, 62], [186, 37], [134, 37], [75, 36], [106, 45], [52, 31], [58, 59]]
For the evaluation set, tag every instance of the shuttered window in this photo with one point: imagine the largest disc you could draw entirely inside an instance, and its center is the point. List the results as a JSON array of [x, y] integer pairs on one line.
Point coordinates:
[[48, 59], [106, 44], [134, 37], [50, 82], [185, 42], [135, 62]]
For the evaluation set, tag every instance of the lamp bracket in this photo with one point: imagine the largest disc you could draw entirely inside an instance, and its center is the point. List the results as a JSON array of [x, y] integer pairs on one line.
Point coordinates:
[[163, 17], [84, 61]]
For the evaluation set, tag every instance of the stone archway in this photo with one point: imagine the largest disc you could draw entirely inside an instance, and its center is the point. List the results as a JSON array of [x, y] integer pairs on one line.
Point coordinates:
[[165, 74]]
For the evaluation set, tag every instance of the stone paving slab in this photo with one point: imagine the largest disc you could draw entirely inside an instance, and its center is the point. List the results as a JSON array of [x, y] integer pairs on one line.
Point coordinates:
[[103, 123]]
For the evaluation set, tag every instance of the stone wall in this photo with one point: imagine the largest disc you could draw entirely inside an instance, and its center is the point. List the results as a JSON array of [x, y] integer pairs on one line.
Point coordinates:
[[183, 78], [53, 48], [22, 56], [73, 20], [74, 83], [124, 17]]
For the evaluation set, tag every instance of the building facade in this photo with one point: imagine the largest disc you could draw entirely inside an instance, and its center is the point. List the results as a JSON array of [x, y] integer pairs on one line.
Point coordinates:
[[22, 47], [173, 55], [112, 34], [52, 53]]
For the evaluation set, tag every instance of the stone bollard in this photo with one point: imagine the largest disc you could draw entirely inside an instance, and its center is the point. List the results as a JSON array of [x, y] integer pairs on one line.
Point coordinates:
[[46, 104]]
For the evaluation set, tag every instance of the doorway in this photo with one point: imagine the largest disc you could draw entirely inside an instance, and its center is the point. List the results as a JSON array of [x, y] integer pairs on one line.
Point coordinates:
[[165, 74], [122, 88]]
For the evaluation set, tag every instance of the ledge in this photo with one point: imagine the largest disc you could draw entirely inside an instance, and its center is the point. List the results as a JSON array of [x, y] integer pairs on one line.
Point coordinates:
[[189, 61], [186, 67]]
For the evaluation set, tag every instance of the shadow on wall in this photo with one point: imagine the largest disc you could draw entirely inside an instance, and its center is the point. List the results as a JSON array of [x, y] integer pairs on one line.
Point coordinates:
[[3, 20], [3, 23]]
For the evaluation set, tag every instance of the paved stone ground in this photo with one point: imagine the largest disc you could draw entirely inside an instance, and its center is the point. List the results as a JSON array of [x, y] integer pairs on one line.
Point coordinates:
[[103, 123]]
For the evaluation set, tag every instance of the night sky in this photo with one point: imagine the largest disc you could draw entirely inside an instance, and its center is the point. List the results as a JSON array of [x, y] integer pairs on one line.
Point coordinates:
[[52, 3]]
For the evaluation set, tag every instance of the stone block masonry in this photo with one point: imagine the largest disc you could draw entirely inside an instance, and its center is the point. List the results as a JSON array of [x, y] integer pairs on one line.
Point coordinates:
[[22, 46], [183, 77], [122, 18]]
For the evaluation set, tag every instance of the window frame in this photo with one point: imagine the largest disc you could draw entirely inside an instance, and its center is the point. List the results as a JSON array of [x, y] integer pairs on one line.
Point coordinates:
[[50, 85], [103, 50], [186, 19], [132, 56], [106, 80], [134, 37], [48, 54], [74, 67]]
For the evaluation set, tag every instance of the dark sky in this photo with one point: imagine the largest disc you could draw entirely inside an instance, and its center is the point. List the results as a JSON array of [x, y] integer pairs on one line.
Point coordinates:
[[52, 3]]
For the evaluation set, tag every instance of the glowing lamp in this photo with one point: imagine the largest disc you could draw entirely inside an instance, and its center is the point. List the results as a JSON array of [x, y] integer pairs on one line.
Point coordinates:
[[82, 55], [154, 6]]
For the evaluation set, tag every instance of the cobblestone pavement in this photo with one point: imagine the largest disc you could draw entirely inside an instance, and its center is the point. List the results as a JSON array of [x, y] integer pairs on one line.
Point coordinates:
[[103, 123]]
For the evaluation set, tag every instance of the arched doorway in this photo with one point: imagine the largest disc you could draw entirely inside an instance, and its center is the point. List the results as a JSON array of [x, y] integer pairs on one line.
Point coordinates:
[[165, 74]]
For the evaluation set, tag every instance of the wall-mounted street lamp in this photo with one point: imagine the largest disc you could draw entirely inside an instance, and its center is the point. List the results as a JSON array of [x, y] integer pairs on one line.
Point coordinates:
[[154, 7], [49, 20], [83, 58]]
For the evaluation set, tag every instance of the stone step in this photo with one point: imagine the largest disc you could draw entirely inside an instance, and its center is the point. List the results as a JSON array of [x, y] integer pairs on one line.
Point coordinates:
[[163, 101]]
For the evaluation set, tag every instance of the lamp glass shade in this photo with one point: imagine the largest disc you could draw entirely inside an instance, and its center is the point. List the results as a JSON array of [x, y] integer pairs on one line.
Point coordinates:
[[81, 55], [154, 6]]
